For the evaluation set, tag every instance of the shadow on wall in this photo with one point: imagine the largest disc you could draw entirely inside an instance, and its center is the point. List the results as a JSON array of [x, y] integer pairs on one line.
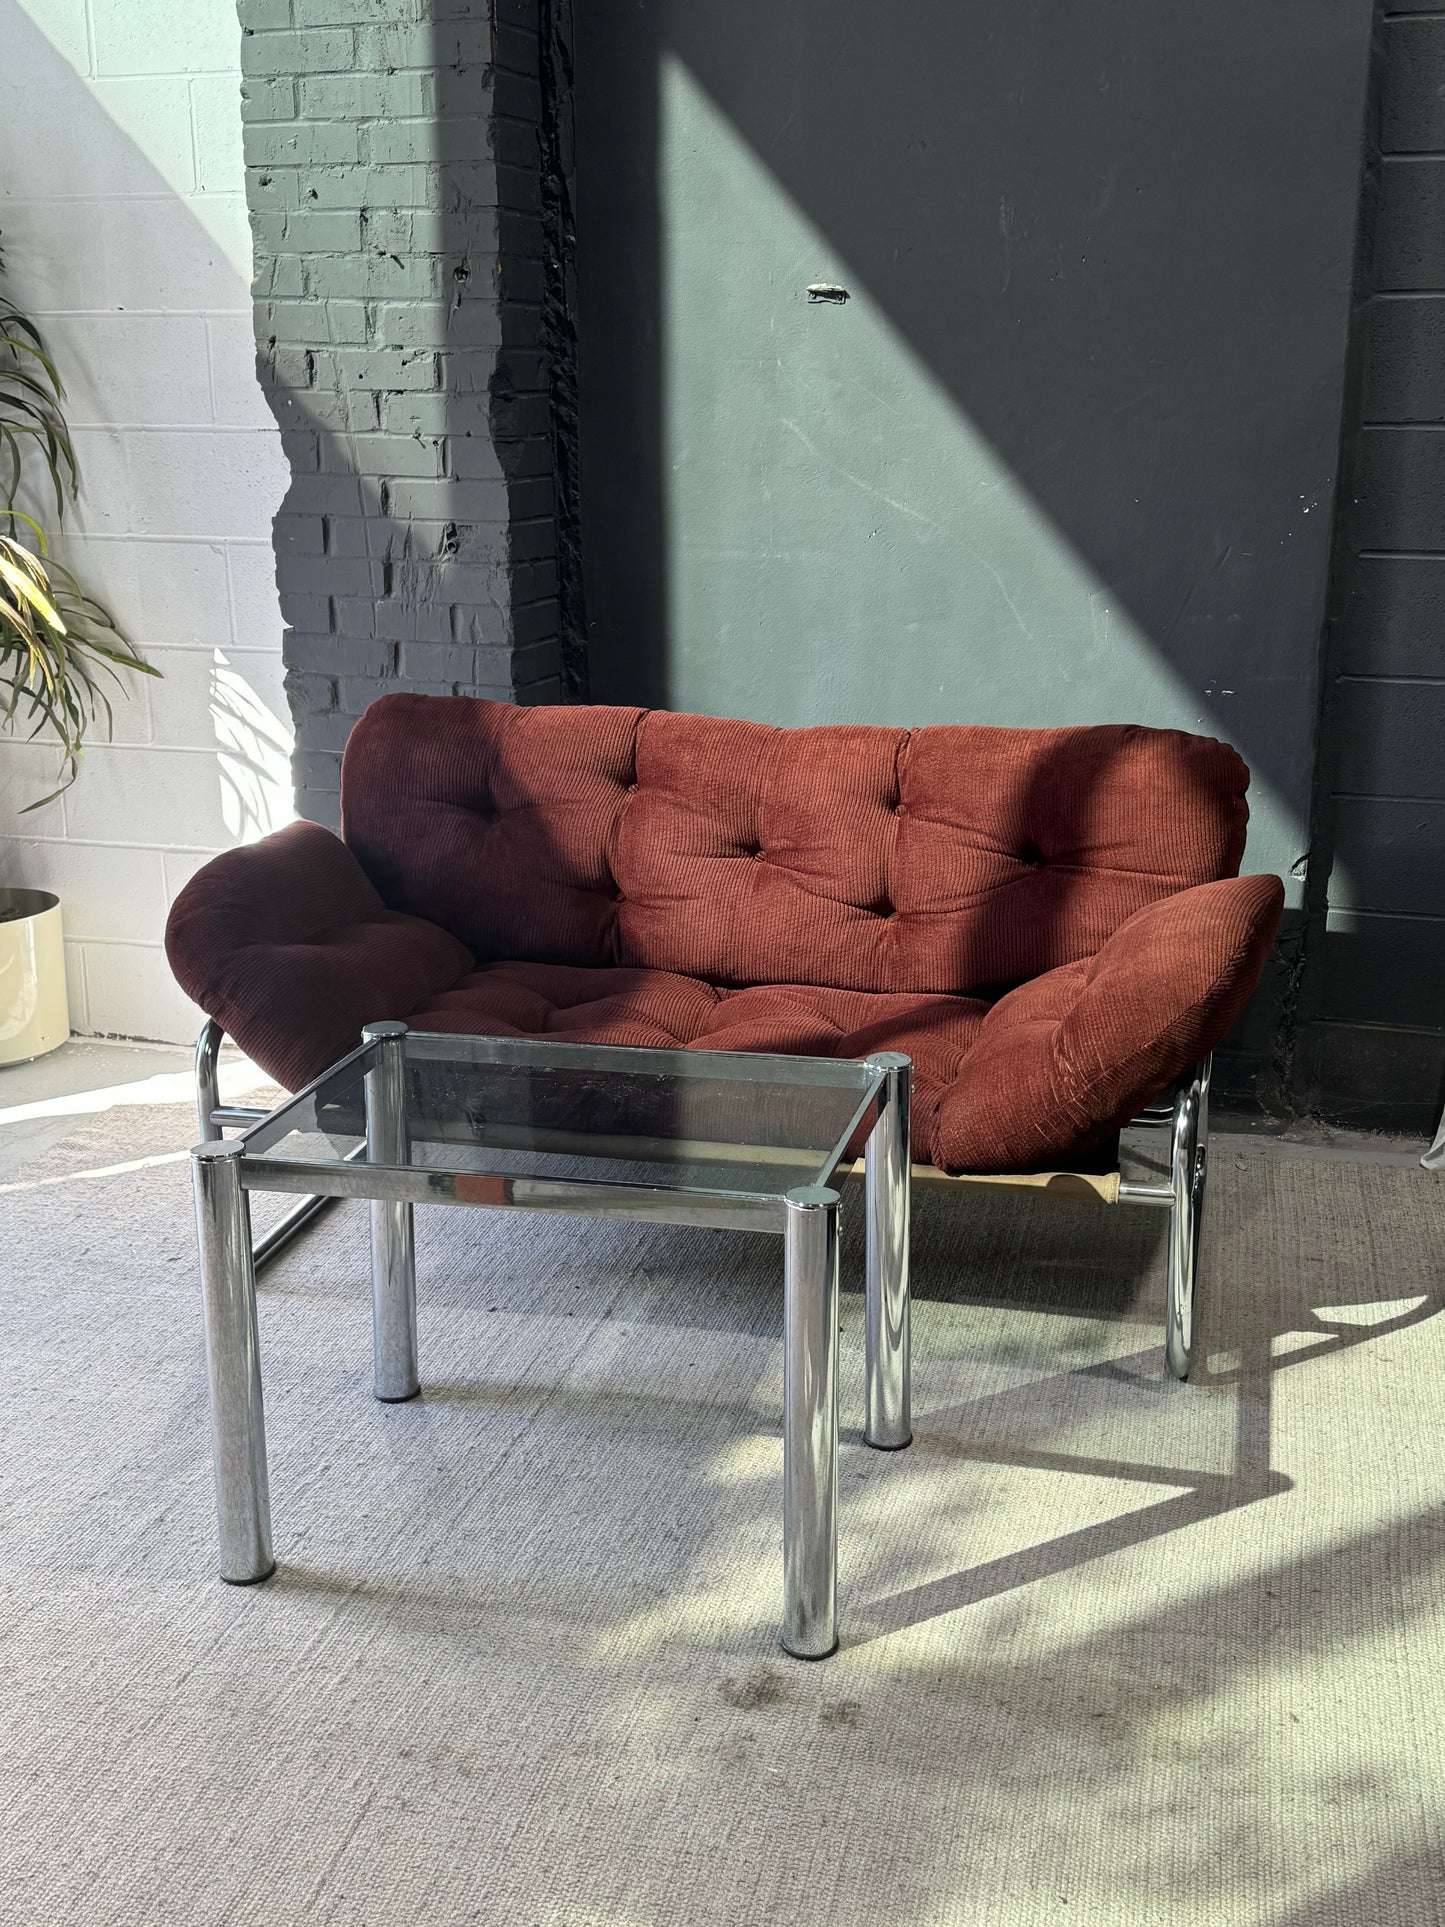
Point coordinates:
[[1110, 255], [1068, 452]]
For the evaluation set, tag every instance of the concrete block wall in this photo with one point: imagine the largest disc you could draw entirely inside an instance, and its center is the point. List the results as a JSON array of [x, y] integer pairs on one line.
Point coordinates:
[[392, 173], [1373, 1051], [122, 212]]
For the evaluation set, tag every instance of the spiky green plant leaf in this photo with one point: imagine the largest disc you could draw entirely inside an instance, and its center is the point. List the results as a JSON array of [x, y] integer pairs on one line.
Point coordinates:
[[59, 647]]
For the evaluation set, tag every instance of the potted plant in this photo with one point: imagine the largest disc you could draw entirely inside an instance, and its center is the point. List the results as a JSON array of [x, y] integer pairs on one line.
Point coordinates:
[[58, 649]]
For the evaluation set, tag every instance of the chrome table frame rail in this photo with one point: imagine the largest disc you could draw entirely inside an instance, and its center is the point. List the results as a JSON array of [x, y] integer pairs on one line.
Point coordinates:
[[1186, 1116], [225, 1171]]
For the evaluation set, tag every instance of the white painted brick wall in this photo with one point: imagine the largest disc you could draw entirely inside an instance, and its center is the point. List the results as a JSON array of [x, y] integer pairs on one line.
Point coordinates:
[[122, 209]]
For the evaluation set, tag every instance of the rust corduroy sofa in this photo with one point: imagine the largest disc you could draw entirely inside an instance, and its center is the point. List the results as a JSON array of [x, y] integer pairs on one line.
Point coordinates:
[[1049, 923]]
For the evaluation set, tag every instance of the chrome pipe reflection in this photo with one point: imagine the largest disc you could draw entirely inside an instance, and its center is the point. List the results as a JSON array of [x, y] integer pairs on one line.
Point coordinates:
[[1157, 1196], [889, 1167], [810, 1423], [208, 1079], [393, 1245], [287, 1229], [1188, 1167], [233, 1363]]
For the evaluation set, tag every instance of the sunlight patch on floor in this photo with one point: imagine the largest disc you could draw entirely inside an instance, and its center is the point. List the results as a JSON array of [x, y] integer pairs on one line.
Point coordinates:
[[238, 1077]]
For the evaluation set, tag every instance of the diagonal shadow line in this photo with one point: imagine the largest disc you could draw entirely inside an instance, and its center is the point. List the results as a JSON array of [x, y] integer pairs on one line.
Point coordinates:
[[1112, 1371], [1210, 1494], [938, 1597], [1404, 1884], [1037, 1459], [994, 348], [1338, 1340]]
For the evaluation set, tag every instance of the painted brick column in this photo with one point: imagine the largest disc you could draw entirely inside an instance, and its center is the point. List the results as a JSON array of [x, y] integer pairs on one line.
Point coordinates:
[[394, 182], [1370, 1048]]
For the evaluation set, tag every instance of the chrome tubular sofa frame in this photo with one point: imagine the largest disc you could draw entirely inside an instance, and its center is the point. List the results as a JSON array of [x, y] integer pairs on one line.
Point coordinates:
[[1184, 1113], [1186, 1116], [214, 1116]]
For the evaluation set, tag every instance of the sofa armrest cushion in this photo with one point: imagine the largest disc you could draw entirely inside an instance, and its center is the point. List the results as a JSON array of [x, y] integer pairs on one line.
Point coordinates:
[[286, 944], [1066, 1060]]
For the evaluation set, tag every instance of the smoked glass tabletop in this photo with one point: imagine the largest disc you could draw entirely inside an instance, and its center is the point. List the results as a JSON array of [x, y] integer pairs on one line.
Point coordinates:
[[725, 1122]]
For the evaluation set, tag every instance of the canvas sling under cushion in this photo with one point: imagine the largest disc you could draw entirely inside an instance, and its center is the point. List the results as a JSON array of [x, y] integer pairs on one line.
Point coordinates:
[[1049, 922]]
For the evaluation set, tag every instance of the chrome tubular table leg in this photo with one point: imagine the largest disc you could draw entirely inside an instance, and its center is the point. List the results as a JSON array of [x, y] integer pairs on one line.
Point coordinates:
[[889, 1422], [810, 1423], [393, 1247], [1188, 1165], [233, 1362]]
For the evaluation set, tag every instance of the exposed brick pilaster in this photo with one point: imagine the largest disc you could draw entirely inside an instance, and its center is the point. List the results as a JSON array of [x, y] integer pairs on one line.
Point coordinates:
[[393, 180]]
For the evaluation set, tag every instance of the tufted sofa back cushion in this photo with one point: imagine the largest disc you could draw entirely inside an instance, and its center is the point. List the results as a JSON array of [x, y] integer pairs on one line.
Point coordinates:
[[951, 858]]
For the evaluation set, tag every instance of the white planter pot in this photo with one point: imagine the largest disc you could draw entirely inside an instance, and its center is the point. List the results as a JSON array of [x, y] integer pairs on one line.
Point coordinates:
[[34, 1010]]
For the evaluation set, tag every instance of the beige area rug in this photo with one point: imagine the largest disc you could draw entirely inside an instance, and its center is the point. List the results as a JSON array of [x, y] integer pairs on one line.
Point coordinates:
[[1114, 1651]]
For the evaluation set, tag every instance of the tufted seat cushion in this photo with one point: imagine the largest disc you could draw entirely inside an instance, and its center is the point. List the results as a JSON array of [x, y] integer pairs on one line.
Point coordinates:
[[1048, 922], [656, 1008]]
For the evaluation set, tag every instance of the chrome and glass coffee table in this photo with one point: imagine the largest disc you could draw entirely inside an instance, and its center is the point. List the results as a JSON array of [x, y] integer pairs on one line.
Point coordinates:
[[703, 1138]]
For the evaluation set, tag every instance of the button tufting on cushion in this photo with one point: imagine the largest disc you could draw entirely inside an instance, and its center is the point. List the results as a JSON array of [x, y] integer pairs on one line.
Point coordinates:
[[654, 1008], [586, 858]]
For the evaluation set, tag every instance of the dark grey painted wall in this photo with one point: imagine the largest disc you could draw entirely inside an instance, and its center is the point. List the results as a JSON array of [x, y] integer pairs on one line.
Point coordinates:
[[1070, 451]]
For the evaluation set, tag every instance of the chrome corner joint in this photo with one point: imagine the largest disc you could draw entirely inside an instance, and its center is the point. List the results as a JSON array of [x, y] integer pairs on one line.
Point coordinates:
[[889, 1420], [233, 1363], [810, 1423], [393, 1241]]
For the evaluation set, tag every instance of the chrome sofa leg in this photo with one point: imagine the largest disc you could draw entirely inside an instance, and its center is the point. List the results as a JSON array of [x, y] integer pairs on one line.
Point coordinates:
[[208, 1083], [233, 1364], [810, 1423], [393, 1236], [888, 1423], [287, 1229], [1188, 1169], [208, 1102]]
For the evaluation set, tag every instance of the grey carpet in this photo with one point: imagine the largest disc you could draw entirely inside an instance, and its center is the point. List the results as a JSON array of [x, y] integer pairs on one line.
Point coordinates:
[[1114, 1651]]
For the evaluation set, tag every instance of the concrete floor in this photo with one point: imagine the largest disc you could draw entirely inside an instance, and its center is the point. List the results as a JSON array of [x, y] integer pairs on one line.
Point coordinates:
[[1115, 1650], [43, 1101]]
